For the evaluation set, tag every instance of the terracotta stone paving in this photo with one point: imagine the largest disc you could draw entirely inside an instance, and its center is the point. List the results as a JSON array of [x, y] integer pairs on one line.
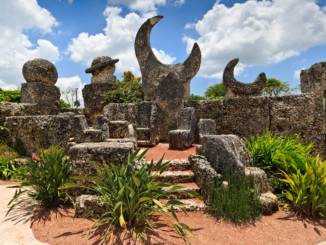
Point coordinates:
[[157, 152]]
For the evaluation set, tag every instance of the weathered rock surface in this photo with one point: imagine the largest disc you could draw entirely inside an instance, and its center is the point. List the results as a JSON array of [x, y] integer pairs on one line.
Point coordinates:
[[183, 137], [87, 206], [45, 96], [85, 156], [206, 127], [259, 177], [102, 69], [143, 116], [269, 203], [118, 129], [35, 132], [95, 99], [225, 152], [234, 88], [205, 175], [167, 85], [313, 79], [93, 135], [40, 71]]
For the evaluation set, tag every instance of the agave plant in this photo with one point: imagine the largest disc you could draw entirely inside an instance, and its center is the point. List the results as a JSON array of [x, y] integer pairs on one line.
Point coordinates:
[[43, 178], [130, 194], [306, 190]]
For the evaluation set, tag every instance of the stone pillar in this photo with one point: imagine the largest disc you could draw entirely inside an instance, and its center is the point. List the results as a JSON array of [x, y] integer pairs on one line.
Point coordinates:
[[102, 81], [41, 76], [313, 80]]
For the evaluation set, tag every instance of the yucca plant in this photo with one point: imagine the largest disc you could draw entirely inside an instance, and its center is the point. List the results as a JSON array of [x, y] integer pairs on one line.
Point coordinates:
[[129, 194], [278, 153], [43, 178], [236, 199], [306, 190]]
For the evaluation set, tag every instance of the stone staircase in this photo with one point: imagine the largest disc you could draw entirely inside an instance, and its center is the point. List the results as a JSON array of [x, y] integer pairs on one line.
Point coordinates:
[[180, 173]]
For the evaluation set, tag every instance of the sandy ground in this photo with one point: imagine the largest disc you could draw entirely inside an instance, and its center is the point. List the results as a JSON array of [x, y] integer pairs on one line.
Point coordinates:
[[281, 228], [14, 229]]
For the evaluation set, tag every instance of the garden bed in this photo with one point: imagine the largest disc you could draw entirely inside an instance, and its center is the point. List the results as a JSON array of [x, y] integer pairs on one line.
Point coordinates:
[[280, 228]]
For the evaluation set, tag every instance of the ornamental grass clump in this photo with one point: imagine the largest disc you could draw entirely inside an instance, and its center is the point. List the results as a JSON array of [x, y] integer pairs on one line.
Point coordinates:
[[306, 190], [43, 178], [129, 194], [235, 199], [278, 153], [8, 168]]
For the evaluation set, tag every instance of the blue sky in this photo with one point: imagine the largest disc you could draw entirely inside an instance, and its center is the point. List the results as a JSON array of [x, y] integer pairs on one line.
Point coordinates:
[[279, 37]]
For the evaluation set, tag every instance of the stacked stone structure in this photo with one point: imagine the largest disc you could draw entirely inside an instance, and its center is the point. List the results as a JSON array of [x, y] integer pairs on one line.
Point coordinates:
[[39, 89], [102, 70], [165, 85], [234, 88], [313, 79]]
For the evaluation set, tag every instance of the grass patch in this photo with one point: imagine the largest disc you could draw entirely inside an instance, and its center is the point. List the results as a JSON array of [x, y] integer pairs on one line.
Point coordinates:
[[238, 201]]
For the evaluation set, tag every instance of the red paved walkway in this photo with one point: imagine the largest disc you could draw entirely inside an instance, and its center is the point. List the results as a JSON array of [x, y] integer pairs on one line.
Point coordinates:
[[157, 151]]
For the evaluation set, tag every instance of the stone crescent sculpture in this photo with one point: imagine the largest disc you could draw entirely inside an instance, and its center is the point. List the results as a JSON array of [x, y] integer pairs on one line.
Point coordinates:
[[234, 88], [153, 71]]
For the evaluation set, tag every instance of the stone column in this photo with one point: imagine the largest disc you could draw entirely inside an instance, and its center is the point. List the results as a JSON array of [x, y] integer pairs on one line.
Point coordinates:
[[39, 89], [102, 81]]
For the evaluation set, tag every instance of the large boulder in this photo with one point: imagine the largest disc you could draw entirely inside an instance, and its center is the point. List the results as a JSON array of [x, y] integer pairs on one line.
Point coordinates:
[[205, 175], [259, 177], [42, 131], [225, 152], [85, 156], [269, 203]]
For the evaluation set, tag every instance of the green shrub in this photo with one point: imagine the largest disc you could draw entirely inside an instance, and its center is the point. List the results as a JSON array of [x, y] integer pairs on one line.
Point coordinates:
[[128, 90], [8, 168], [43, 178], [130, 195], [278, 153], [10, 95], [238, 201], [216, 91], [64, 104], [306, 190], [275, 87], [194, 97]]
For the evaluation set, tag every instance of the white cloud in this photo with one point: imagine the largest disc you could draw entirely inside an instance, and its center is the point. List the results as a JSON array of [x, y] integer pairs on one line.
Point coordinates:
[[297, 73], [179, 2], [68, 84], [163, 57], [116, 41], [257, 32], [143, 6], [15, 46]]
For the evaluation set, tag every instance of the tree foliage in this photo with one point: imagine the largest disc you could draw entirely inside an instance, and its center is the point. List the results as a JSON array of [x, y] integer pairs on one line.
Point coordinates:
[[215, 91], [10, 95], [64, 104], [275, 87], [128, 90]]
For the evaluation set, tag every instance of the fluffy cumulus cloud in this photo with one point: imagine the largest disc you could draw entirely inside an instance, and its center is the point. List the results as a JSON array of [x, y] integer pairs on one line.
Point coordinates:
[[15, 46], [68, 86], [140, 5], [258, 32], [116, 40]]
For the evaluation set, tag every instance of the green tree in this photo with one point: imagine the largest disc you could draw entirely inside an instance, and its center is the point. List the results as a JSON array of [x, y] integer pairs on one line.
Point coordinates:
[[275, 87], [128, 90], [10, 95], [64, 104], [215, 91]]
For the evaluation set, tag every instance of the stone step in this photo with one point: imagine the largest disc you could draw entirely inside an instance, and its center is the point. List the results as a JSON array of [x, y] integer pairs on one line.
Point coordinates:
[[193, 204], [144, 143], [175, 176], [189, 190], [178, 165]]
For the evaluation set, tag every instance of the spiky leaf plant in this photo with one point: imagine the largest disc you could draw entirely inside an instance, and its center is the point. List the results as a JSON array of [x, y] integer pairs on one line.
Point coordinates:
[[306, 190], [130, 194], [43, 178]]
